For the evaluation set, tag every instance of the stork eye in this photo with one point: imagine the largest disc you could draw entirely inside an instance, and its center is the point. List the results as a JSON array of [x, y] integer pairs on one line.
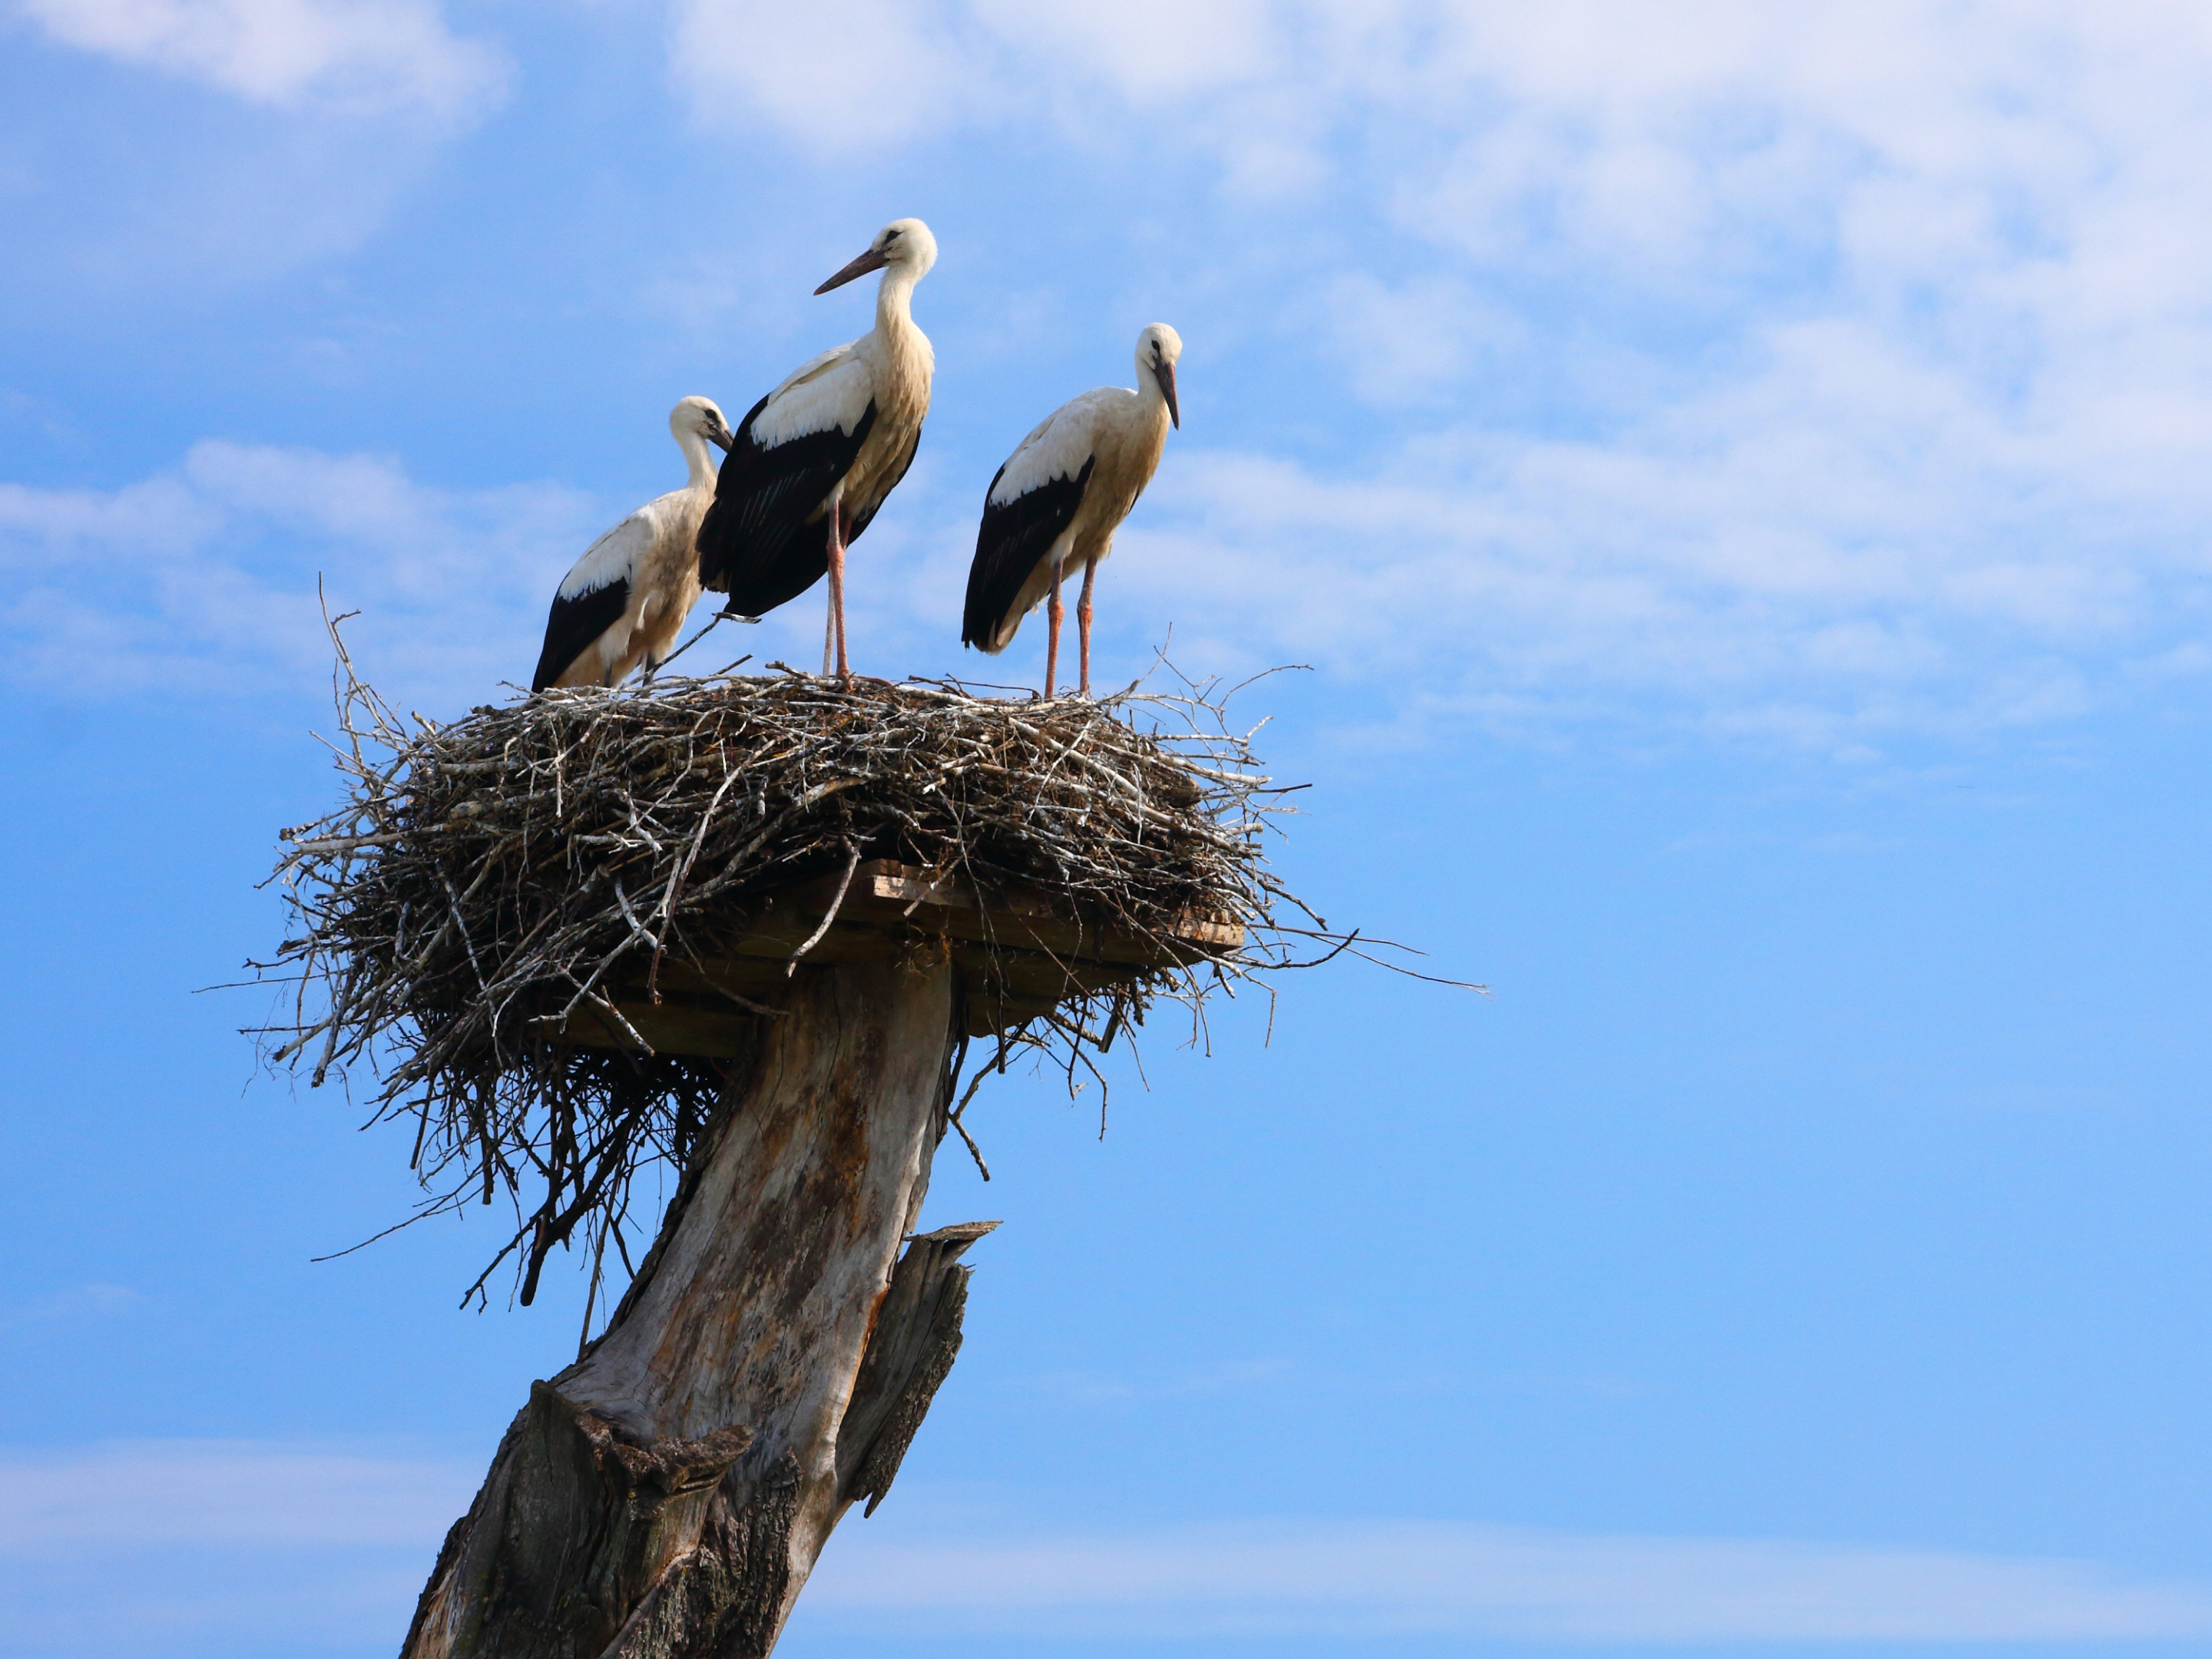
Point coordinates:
[[893, 235]]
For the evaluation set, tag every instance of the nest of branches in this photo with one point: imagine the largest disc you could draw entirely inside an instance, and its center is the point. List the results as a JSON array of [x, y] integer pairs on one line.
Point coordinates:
[[483, 884]]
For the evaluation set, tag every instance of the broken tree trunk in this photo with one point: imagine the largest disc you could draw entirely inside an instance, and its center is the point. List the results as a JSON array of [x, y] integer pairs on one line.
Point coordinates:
[[666, 1497]]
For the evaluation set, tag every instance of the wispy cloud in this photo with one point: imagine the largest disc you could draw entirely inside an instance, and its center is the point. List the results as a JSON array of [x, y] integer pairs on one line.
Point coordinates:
[[234, 1547], [223, 1494], [1507, 582], [1089, 1390], [345, 56], [906, 70], [1383, 1578], [201, 579], [355, 1528], [1799, 381], [1811, 377], [67, 1308]]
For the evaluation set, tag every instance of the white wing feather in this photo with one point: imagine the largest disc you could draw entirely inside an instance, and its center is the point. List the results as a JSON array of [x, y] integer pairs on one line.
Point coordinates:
[[831, 390], [1063, 441], [614, 557]]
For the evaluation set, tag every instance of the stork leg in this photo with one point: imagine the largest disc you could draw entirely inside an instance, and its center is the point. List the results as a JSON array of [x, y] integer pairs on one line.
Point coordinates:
[[837, 594], [1083, 619], [1052, 613]]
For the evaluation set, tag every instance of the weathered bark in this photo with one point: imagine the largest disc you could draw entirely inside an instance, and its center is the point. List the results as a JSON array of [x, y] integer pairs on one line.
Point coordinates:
[[916, 1338], [666, 1497]]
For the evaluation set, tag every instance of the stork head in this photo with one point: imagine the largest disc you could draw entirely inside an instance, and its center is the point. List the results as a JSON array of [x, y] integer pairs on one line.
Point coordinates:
[[904, 247], [1158, 348], [700, 417]]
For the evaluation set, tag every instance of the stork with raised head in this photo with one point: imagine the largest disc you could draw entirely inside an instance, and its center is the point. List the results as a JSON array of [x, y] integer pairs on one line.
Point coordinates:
[[814, 458], [1062, 496], [624, 601]]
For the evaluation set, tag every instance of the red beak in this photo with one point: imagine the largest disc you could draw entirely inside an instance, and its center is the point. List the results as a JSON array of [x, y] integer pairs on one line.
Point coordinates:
[[871, 260]]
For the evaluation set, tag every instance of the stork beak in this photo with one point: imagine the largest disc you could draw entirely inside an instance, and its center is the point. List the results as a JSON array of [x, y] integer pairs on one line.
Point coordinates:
[[723, 438], [1164, 373], [871, 260]]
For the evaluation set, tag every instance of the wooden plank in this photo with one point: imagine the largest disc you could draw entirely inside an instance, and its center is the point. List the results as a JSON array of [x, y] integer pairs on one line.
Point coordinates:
[[671, 1029], [883, 892], [1021, 960], [987, 1015], [1005, 988]]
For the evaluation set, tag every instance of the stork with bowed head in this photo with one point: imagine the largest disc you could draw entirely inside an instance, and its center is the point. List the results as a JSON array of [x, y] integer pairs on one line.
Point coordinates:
[[624, 601], [1062, 496], [814, 458]]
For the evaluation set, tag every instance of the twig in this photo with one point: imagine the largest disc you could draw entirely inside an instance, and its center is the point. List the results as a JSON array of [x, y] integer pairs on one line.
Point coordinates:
[[974, 1151], [836, 903]]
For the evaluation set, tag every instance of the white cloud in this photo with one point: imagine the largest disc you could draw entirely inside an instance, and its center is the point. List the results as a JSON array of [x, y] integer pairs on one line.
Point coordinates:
[[1739, 575], [222, 1494], [355, 1527], [1722, 569], [1825, 371], [843, 75], [231, 1547], [202, 580], [1419, 344], [357, 56], [199, 582], [1871, 377], [1386, 1578], [837, 74]]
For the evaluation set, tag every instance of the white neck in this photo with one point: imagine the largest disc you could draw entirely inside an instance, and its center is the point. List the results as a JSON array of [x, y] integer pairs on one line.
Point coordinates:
[[894, 297], [698, 459]]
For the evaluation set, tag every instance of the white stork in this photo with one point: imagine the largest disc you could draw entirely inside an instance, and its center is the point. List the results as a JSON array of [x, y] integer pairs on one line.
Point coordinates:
[[624, 600], [815, 457], [1062, 496]]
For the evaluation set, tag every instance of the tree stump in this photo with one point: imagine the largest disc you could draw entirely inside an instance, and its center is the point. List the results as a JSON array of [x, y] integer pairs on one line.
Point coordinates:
[[669, 1493]]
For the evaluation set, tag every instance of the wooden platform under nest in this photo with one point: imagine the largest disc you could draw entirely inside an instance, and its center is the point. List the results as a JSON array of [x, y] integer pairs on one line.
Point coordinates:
[[1021, 957]]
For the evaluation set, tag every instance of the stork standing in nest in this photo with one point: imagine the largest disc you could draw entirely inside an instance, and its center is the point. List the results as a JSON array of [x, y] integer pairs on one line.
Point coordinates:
[[1062, 496], [814, 460], [624, 601]]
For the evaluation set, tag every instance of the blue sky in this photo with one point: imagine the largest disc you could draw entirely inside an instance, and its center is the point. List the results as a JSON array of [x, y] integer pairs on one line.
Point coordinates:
[[1737, 476]]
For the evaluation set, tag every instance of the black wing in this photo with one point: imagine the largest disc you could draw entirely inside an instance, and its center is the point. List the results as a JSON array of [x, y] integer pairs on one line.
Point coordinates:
[[755, 544], [574, 624], [1015, 537]]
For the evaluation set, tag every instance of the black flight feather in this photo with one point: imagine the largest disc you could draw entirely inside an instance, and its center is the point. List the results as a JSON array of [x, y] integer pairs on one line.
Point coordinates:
[[576, 621], [1014, 540], [755, 544]]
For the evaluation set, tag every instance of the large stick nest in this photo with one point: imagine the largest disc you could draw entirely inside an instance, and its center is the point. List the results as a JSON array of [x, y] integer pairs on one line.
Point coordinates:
[[484, 881]]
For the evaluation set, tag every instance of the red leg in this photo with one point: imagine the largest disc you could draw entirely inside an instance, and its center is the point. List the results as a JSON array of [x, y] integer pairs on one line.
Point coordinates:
[[1053, 612], [1083, 619], [837, 590]]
